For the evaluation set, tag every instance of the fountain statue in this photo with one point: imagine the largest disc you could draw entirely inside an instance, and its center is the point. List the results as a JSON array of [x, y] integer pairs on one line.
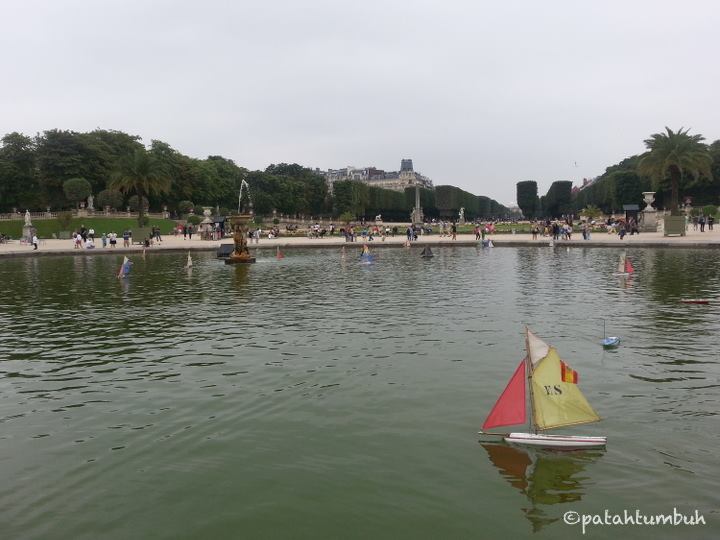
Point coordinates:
[[461, 216], [238, 223], [28, 229]]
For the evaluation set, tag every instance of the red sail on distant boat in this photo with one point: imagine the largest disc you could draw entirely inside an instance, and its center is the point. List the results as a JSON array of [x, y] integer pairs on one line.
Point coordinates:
[[628, 267], [510, 406]]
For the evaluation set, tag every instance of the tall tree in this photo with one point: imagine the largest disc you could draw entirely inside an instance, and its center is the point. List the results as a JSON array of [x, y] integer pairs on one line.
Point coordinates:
[[527, 194], [18, 179], [676, 154], [140, 174], [76, 190]]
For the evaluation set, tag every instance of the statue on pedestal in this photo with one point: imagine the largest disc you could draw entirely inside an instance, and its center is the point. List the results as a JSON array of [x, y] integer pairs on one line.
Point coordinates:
[[90, 203], [28, 222]]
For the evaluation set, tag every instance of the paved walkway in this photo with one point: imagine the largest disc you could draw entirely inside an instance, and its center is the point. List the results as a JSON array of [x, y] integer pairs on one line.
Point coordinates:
[[695, 239]]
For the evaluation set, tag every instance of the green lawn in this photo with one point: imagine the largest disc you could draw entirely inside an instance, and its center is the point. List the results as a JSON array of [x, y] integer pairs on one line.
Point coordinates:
[[47, 227]]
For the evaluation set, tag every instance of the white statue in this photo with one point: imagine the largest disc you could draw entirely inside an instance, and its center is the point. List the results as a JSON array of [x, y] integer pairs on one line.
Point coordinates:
[[27, 218], [90, 203], [461, 214]]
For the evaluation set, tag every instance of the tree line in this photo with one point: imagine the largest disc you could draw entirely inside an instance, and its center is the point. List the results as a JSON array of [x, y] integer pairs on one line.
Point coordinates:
[[676, 166], [60, 169]]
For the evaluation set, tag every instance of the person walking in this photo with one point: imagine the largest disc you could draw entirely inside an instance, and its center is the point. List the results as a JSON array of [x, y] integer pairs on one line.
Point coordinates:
[[35, 242], [453, 229], [710, 221], [185, 231], [190, 231], [701, 221]]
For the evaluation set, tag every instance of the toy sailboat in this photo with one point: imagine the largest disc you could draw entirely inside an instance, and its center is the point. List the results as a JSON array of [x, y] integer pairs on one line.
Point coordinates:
[[188, 264], [609, 341], [555, 401], [279, 254], [625, 267], [426, 253], [125, 268]]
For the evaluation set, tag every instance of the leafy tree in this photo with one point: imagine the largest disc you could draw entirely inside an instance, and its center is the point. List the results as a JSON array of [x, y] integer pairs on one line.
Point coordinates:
[[18, 179], [76, 190], [558, 199], [346, 217], [134, 203], [710, 210], [676, 154], [591, 212], [527, 194], [628, 188], [111, 198], [184, 207], [64, 219], [140, 173]]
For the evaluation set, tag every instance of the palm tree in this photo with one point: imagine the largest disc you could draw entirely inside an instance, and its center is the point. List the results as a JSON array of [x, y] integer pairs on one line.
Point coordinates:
[[140, 173], [676, 154]]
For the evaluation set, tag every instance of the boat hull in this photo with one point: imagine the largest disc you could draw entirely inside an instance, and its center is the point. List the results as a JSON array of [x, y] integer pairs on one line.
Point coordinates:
[[695, 301], [612, 341], [567, 442]]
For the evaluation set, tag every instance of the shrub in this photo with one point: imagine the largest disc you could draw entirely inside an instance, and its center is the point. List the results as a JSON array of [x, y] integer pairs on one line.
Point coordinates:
[[133, 203], [185, 206], [108, 197], [77, 189], [195, 220], [710, 210], [64, 219]]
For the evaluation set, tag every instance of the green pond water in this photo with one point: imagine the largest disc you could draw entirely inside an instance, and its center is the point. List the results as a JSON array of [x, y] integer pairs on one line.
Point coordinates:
[[317, 397]]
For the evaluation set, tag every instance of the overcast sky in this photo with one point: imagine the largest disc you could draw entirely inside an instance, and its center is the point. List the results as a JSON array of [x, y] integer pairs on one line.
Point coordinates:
[[479, 94]]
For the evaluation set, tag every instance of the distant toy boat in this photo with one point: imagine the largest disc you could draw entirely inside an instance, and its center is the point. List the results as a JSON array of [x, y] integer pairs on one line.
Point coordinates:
[[695, 300], [609, 341], [426, 253], [280, 254], [625, 267], [556, 401], [188, 264], [365, 256], [125, 268]]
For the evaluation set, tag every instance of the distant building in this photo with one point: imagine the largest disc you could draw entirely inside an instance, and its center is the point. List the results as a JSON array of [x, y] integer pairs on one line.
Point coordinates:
[[395, 180]]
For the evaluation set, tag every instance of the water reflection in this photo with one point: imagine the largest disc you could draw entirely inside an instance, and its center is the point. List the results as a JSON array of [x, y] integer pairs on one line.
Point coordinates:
[[545, 477]]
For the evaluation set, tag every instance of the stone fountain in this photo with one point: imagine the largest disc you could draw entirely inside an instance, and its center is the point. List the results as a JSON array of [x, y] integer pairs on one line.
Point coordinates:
[[238, 224]]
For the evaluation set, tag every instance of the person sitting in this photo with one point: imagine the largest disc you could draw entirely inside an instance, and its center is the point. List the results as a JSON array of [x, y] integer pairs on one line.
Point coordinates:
[[89, 243]]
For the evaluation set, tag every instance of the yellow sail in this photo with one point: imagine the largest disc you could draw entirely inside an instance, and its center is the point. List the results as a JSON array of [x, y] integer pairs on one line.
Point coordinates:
[[557, 402]]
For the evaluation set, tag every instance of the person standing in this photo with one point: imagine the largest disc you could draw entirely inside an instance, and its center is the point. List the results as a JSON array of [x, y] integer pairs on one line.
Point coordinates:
[[126, 238], [190, 231], [701, 221], [453, 229], [185, 230], [104, 240], [35, 241], [710, 221]]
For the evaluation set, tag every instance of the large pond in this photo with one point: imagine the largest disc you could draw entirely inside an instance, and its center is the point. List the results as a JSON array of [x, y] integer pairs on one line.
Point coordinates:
[[317, 397]]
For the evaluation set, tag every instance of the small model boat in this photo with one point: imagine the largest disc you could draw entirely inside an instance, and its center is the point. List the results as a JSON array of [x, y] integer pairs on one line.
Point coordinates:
[[625, 267], [555, 398], [426, 253], [695, 300], [609, 341]]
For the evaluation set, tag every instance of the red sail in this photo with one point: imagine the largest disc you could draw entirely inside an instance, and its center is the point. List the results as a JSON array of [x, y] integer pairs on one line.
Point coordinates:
[[628, 266], [510, 406]]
